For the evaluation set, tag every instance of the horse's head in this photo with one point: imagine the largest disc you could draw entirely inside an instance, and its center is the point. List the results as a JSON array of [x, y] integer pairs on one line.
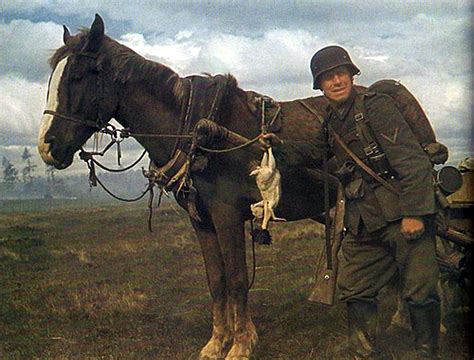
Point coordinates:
[[81, 100]]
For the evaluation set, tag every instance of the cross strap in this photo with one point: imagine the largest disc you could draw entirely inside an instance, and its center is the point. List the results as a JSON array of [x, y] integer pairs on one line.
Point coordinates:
[[362, 165], [363, 128]]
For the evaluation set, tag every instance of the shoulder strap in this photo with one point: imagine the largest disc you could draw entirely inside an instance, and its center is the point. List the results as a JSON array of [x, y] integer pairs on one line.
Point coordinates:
[[359, 109], [362, 165], [363, 128]]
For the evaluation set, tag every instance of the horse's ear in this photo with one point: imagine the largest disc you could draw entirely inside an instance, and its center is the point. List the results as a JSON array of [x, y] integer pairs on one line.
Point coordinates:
[[96, 34], [97, 28], [66, 35]]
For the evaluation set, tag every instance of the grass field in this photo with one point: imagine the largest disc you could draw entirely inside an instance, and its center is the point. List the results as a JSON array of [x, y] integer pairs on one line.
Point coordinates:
[[92, 282]]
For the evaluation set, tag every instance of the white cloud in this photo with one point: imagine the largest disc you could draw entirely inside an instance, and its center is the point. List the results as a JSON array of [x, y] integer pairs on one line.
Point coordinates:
[[426, 46], [26, 46], [21, 106], [177, 52], [279, 55], [264, 63]]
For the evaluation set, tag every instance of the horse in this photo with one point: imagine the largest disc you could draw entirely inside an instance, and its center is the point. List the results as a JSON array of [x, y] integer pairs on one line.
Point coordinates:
[[95, 79]]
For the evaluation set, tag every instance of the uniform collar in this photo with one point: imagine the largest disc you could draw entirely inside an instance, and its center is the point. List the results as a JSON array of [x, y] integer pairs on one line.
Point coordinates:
[[341, 111]]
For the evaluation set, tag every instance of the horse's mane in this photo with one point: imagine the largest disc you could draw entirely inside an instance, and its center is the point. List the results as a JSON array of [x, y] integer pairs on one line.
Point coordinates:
[[130, 67]]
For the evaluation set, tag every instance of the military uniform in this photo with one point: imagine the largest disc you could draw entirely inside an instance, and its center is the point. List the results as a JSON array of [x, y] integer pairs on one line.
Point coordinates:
[[374, 248]]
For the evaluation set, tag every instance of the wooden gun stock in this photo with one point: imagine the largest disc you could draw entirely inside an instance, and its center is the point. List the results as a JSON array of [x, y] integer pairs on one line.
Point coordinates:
[[325, 279]]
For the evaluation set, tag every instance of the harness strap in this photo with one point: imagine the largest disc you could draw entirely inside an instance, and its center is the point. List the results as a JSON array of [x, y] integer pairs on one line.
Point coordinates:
[[169, 175], [221, 84], [363, 129], [88, 123], [185, 114], [362, 165], [175, 175]]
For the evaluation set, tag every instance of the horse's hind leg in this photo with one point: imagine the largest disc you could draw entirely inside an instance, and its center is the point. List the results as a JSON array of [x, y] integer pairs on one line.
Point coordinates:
[[221, 337], [230, 230]]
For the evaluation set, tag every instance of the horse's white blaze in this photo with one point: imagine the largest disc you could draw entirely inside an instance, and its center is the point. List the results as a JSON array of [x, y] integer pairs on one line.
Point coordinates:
[[52, 104]]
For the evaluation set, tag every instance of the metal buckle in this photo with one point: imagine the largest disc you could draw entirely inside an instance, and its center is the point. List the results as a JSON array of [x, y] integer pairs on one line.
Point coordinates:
[[368, 151], [359, 116], [371, 149]]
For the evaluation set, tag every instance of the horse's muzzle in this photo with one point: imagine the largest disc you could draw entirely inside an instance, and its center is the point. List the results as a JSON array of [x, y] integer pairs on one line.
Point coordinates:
[[46, 153]]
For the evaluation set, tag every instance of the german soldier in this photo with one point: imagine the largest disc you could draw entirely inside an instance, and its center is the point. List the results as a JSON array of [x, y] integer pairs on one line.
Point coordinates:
[[388, 215]]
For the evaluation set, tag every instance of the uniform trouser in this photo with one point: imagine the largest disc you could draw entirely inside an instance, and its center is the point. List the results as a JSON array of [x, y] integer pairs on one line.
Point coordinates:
[[372, 259]]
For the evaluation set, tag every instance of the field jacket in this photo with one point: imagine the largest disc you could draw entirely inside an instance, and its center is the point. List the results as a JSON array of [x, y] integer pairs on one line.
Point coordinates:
[[366, 199]]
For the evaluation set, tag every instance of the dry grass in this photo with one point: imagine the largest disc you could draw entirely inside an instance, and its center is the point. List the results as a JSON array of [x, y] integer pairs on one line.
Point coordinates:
[[89, 283]]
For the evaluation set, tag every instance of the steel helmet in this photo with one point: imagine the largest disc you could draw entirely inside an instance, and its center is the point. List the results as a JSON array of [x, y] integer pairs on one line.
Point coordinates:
[[329, 58]]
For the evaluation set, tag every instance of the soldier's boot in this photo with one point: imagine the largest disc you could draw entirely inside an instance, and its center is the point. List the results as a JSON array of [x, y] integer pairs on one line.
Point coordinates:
[[425, 321], [362, 324]]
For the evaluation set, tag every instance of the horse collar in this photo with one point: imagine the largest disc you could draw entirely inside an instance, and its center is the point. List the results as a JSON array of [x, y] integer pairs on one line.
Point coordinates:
[[202, 100]]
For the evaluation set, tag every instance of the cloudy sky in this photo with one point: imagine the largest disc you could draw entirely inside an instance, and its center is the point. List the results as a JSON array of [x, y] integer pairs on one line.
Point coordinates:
[[266, 45]]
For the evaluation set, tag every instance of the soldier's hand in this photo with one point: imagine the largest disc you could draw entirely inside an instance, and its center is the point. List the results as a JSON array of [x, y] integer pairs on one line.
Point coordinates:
[[269, 140], [412, 227]]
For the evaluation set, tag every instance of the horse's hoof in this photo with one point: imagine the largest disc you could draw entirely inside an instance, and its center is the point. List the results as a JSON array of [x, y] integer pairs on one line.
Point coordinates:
[[239, 353], [215, 349], [242, 350], [211, 353]]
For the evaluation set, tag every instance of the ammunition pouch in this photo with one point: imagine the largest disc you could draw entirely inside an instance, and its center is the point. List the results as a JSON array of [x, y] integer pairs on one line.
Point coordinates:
[[380, 165]]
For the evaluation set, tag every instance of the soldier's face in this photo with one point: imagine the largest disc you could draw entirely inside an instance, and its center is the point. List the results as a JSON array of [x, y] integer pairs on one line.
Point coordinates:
[[337, 84]]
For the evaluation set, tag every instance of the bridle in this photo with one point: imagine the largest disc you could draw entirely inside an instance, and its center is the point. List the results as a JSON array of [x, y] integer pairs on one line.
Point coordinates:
[[87, 123], [98, 124], [117, 135]]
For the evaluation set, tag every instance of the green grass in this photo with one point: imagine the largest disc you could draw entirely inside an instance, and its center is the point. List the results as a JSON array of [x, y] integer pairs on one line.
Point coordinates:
[[92, 282]]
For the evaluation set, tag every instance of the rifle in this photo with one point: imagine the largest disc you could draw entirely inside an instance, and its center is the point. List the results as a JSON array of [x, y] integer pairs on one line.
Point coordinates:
[[326, 271]]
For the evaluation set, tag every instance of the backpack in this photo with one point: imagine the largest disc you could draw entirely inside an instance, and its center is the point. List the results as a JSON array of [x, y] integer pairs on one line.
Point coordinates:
[[415, 117]]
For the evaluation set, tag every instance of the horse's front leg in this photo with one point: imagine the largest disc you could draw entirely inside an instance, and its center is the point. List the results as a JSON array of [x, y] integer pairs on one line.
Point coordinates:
[[229, 226], [221, 338]]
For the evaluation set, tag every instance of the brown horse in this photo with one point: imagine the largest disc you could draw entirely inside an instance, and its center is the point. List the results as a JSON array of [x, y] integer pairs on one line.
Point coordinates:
[[95, 79]]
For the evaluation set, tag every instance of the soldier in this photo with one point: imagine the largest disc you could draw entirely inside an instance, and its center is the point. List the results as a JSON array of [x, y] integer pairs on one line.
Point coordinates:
[[388, 215]]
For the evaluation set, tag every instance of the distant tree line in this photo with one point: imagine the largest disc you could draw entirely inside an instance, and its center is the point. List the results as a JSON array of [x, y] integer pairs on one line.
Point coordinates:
[[25, 182], [10, 174], [28, 184]]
